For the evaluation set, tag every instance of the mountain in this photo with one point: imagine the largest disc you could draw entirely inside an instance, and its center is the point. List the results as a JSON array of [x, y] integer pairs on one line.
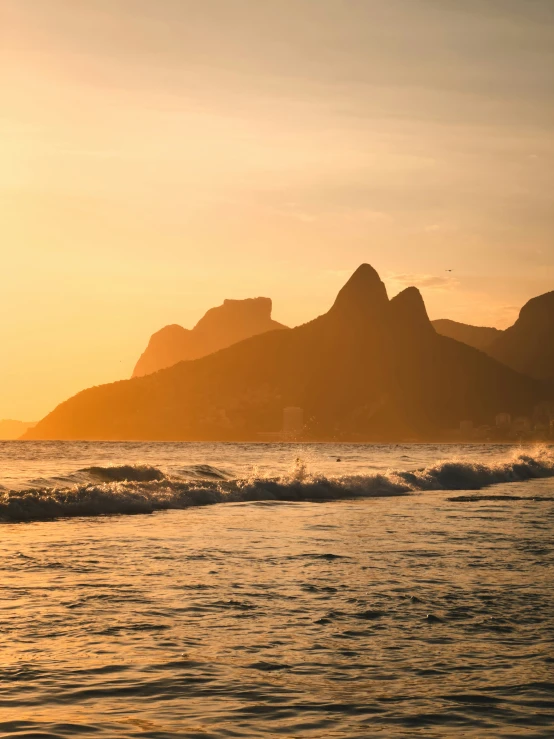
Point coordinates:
[[10, 429], [220, 327], [528, 345], [369, 369], [479, 337]]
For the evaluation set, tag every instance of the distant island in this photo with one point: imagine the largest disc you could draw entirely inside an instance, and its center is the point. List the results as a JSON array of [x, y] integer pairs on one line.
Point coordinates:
[[370, 369], [10, 429]]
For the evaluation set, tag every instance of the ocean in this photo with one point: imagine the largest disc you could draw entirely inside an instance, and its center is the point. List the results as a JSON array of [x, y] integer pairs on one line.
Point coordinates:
[[276, 590]]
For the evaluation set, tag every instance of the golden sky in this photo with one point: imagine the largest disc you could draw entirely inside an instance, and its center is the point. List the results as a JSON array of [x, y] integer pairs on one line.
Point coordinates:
[[158, 156]]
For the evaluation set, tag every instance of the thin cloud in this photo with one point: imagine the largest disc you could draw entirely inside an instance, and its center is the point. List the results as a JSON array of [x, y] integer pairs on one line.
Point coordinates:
[[505, 315], [426, 282]]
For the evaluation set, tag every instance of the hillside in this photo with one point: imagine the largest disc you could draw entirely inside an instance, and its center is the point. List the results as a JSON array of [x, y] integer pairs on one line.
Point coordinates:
[[479, 337]]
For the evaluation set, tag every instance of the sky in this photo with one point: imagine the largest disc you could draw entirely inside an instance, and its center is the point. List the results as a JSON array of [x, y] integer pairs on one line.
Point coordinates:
[[158, 156]]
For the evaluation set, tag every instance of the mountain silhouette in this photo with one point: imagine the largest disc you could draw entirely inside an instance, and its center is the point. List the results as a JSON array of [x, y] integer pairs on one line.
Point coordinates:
[[369, 369], [480, 337], [528, 345], [218, 328]]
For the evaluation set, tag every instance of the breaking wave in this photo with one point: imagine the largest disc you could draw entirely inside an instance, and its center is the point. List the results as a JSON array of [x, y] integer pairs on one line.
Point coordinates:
[[128, 489], [146, 473]]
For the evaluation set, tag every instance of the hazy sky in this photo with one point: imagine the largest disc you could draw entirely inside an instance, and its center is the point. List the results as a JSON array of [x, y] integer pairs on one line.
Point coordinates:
[[158, 156]]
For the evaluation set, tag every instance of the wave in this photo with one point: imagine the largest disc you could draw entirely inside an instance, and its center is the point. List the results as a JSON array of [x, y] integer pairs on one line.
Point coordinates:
[[146, 473], [128, 489], [124, 473]]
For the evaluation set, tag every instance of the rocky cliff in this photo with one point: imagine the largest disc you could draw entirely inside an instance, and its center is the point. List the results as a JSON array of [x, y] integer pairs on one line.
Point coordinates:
[[233, 321]]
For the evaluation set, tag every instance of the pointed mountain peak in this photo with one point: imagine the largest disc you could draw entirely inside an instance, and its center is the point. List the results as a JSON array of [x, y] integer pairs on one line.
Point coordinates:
[[410, 296], [409, 312], [363, 294]]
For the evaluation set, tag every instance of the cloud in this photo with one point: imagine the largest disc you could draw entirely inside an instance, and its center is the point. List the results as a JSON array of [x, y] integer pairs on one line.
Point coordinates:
[[396, 282], [426, 282]]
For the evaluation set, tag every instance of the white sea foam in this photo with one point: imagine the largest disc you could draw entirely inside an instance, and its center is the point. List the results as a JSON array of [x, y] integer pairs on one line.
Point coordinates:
[[128, 489]]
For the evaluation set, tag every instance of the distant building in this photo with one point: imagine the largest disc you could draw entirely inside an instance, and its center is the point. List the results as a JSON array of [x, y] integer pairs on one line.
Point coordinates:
[[543, 412], [503, 420], [466, 427], [293, 420], [521, 425], [483, 432]]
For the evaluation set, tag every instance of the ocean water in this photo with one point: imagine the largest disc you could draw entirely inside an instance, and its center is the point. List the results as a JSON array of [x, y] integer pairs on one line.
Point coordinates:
[[274, 590]]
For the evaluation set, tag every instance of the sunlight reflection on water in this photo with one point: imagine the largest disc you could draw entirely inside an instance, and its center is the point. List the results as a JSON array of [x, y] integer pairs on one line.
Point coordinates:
[[399, 616]]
